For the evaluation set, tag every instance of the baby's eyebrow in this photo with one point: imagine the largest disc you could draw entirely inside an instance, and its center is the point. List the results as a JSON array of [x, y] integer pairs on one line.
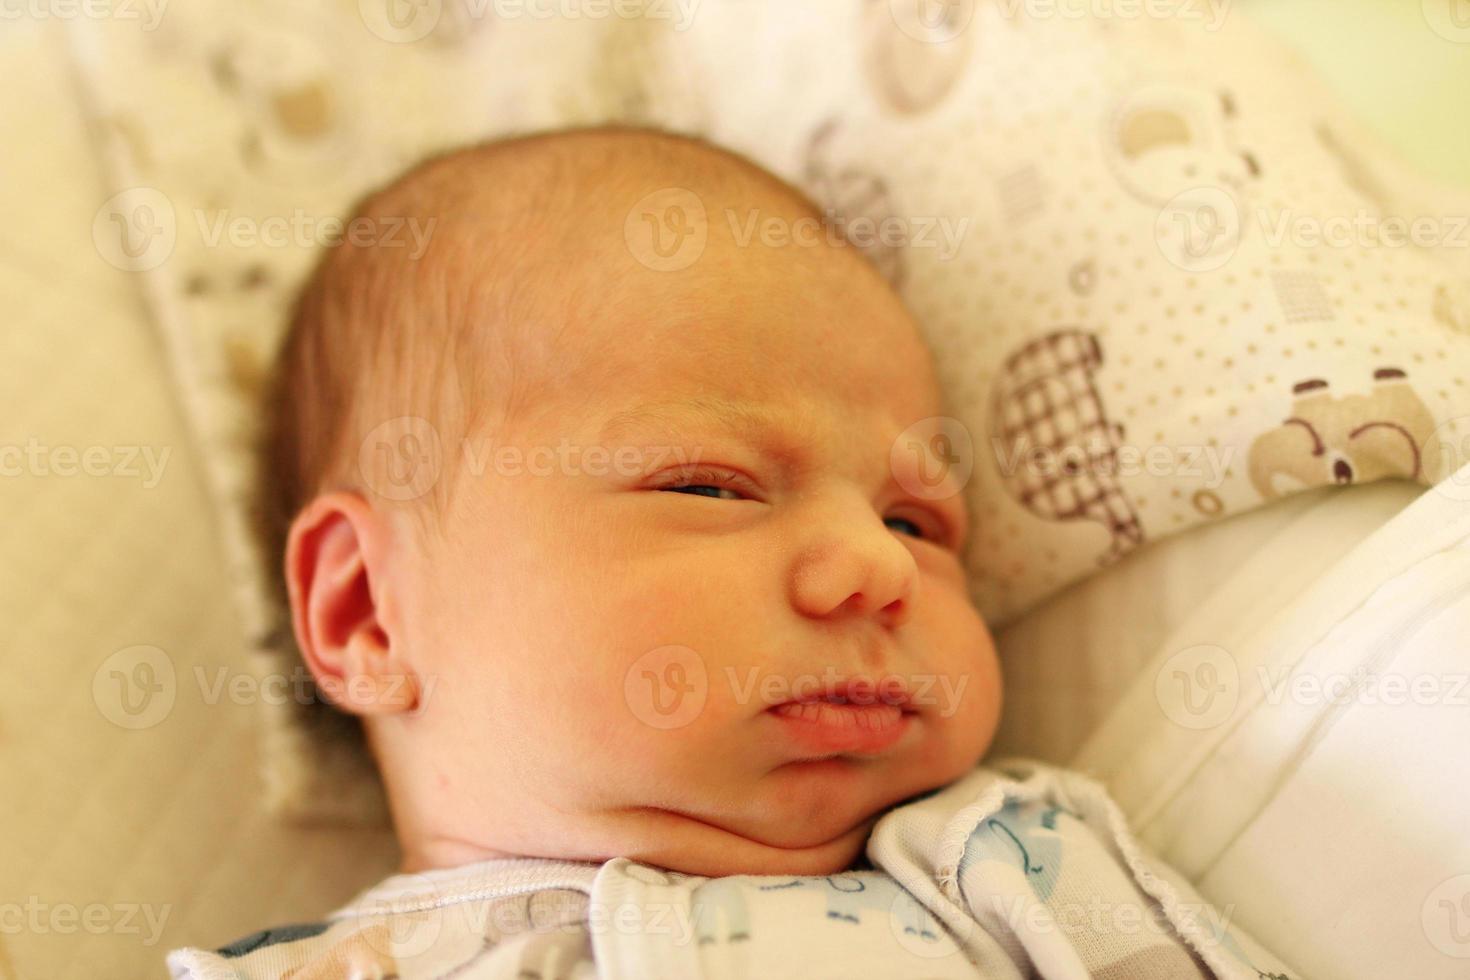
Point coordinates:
[[708, 410], [791, 434]]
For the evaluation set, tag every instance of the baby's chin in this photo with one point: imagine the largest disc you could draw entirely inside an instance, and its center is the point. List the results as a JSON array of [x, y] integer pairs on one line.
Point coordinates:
[[811, 818], [693, 846], [804, 817]]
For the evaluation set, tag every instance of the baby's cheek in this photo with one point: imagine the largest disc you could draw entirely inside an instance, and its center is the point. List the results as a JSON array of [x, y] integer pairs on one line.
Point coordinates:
[[967, 690], [980, 707], [665, 712]]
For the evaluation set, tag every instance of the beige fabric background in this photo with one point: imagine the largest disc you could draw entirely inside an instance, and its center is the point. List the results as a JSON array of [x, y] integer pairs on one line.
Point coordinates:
[[94, 813]]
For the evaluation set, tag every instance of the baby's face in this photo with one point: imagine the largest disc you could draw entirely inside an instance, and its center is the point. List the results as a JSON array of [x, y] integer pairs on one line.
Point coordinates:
[[652, 586]]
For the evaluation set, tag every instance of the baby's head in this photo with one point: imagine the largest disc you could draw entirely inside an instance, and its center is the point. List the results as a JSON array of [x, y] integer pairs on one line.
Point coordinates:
[[596, 509]]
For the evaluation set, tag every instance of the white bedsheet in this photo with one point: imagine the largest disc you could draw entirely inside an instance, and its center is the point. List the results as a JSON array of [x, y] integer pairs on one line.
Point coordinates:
[[1296, 746], [1067, 662]]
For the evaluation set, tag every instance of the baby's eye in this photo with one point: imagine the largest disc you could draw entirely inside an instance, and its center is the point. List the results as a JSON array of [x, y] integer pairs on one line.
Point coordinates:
[[702, 490], [704, 483], [924, 527], [908, 526]]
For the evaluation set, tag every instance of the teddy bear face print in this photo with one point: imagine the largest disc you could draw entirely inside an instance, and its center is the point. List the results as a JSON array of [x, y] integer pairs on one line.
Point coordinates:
[[1164, 140], [1355, 438]]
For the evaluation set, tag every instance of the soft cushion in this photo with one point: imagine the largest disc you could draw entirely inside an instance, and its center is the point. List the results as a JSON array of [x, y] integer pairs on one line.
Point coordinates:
[[1165, 281]]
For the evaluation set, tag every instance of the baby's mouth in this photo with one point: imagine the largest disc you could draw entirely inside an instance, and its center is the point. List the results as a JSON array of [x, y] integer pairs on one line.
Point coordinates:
[[833, 723]]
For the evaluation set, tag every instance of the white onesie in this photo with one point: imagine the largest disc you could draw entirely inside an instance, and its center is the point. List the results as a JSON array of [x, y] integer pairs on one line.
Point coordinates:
[[1017, 870]]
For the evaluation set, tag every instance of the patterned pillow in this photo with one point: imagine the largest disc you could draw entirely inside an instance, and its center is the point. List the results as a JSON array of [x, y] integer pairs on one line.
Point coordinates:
[[1166, 279]]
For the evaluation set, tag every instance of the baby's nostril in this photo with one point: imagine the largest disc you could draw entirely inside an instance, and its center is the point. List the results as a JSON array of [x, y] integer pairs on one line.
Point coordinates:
[[1342, 472]]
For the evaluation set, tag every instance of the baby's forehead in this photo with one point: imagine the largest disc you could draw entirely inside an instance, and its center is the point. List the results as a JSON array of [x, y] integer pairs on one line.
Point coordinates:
[[561, 256], [609, 202], [570, 214]]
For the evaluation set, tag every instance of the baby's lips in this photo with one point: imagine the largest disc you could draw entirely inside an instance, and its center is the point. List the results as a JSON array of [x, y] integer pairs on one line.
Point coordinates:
[[889, 689], [825, 728]]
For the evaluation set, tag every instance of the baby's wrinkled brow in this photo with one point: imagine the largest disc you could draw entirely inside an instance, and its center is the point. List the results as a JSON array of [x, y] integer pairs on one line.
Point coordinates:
[[791, 435], [708, 411]]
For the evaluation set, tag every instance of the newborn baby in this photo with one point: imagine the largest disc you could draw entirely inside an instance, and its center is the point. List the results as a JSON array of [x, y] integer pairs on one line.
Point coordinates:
[[719, 630], [745, 511]]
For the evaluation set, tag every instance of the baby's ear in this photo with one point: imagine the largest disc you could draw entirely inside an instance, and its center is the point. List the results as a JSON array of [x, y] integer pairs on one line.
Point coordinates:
[[336, 556]]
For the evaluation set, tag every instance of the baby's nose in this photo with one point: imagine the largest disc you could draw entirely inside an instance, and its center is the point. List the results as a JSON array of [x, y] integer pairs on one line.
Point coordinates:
[[863, 572]]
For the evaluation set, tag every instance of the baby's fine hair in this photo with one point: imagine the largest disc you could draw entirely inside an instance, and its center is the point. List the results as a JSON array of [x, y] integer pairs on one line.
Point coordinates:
[[381, 333]]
